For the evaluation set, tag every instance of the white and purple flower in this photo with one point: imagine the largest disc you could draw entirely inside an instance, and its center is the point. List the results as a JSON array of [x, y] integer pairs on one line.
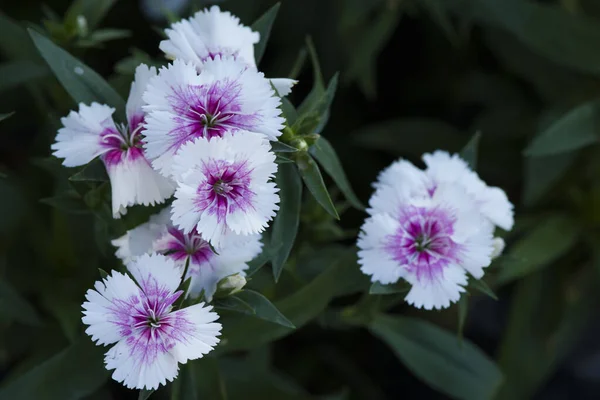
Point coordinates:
[[150, 338], [212, 33], [205, 267], [224, 185], [443, 168], [226, 96], [91, 132], [430, 237]]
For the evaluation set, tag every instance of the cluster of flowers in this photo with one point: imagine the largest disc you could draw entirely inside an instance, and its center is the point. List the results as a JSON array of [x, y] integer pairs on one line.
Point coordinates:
[[431, 227], [198, 129]]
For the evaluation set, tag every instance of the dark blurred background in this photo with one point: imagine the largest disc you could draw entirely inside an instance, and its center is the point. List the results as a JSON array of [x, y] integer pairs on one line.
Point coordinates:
[[416, 75]]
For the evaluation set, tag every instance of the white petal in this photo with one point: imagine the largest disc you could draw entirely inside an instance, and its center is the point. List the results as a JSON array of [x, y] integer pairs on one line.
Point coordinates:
[[79, 140], [372, 256], [139, 240], [201, 332], [406, 176], [438, 293], [140, 365], [133, 181], [102, 307], [496, 206], [445, 168], [155, 270], [283, 86], [209, 33], [135, 114]]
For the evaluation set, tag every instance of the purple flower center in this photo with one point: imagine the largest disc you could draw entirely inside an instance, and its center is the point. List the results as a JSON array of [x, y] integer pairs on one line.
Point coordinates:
[[226, 188], [180, 246], [209, 110], [423, 243], [122, 142]]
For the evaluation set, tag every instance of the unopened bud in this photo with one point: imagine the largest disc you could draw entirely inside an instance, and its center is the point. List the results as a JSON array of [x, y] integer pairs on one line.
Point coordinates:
[[300, 144], [82, 26], [498, 244], [230, 285]]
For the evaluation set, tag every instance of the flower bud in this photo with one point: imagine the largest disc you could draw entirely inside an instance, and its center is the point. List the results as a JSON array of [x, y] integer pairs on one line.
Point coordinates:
[[229, 285], [498, 244]]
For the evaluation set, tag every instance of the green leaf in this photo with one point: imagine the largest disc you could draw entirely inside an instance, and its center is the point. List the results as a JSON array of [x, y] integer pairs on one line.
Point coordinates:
[[325, 154], [309, 170], [399, 287], [574, 130], [145, 394], [470, 151], [74, 373], [313, 114], [480, 285], [289, 111], [459, 370], [15, 73], [82, 83], [364, 52], [545, 243], [263, 26], [14, 41], [234, 303], [70, 202], [285, 226], [6, 115], [568, 39], [279, 147], [95, 171], [262, 308], [300, 307], [199, 379], [245, 380], [103, 273], [97, 38], [409, 136], [463, 310], [93, 11], [541, 173], [15, 307]]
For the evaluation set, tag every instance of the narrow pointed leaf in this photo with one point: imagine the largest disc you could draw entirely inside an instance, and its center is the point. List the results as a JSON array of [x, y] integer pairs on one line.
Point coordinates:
[[314, 115], [463, 310], [15, 73], [7, 115], [483, 287], [470, 152], [576, 129], [279, 147], [287, 220], [399, 287], [325, 154], [460, 370], [73, 374], [16, 307], [548, 241], [262, 308], [309, 170], [234, 303], [263, 26], [93, 172], [82, 83], [145, 394]]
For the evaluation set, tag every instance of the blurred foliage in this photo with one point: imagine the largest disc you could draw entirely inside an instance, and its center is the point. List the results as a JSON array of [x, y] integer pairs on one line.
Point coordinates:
[[414, 76]]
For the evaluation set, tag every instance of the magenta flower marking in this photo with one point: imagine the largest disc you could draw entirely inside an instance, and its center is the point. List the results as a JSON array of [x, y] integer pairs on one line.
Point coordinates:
[[179, 246], [209, 110], [122, 143], [226, 188], [423, 242]]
